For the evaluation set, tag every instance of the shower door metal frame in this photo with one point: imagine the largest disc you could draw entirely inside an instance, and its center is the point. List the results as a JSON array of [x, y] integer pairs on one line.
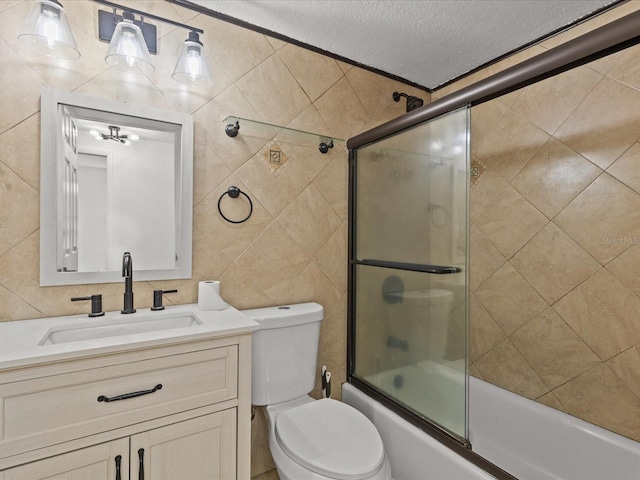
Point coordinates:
[[611, 38], [461, 447]]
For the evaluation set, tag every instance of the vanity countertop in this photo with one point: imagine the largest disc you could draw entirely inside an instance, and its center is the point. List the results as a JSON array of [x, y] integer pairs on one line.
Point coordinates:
[[21, 341]]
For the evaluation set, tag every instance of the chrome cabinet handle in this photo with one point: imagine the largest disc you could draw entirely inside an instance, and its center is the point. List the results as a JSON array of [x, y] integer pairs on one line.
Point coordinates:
[[118, 460], [124, 396], [141, 459]]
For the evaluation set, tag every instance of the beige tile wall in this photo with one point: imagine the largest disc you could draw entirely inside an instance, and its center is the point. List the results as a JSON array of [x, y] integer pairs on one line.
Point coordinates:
[[555, 233], [293, 249]]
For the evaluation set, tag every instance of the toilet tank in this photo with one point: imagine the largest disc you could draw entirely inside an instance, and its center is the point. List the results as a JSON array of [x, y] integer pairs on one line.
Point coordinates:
[[285, 352]]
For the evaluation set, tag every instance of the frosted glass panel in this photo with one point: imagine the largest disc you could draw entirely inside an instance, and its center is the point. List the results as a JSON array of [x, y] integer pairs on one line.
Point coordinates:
[[409, 270], [411, 194]]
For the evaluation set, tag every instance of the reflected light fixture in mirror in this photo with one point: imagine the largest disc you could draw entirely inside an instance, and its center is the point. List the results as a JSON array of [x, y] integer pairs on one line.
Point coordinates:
[[192, 67], [128, 51], [46, 29], [115, 135]]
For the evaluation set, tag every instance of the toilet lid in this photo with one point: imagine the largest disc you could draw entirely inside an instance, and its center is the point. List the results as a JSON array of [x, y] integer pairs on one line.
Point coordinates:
[[330, 438]]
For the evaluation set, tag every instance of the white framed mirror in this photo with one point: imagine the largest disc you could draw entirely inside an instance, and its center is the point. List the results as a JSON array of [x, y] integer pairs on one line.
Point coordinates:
[[114, 178]]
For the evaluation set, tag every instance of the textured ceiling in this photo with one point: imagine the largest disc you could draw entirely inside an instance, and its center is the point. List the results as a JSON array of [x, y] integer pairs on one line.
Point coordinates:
[[428, 42]]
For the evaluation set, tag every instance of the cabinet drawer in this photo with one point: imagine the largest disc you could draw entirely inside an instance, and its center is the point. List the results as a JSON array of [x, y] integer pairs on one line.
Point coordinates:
[[45, 411]]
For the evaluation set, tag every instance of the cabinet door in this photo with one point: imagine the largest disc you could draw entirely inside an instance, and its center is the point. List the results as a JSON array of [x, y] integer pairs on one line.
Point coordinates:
[[107, 461], [203, 448]]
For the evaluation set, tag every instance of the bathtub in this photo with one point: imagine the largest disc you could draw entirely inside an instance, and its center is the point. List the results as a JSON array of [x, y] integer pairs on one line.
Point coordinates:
[[536, 442], [413, 454], [529, 440]]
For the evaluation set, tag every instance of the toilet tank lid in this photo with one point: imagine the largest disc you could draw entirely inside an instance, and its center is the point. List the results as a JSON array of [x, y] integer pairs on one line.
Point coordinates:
[[286, 315], [431, 296]]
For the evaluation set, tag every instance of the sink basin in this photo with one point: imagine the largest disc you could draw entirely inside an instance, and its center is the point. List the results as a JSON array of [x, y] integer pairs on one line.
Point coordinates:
[[104, 329]]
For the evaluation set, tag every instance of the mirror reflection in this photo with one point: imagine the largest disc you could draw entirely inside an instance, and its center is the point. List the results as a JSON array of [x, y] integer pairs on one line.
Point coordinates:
[[118, 185]]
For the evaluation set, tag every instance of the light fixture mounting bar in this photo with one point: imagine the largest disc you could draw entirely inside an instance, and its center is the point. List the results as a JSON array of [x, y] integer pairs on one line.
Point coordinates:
[[107, 22], [148, 15]]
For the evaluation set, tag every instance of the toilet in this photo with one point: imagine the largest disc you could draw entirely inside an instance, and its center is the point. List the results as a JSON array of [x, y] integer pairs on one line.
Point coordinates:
[[309, 439]]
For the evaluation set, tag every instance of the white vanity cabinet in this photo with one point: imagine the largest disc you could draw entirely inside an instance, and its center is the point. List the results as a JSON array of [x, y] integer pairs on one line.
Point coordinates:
[[100, 462], [178, 411]]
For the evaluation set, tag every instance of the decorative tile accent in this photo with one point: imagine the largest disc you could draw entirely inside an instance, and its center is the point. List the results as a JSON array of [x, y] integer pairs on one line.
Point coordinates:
[[274, 157]]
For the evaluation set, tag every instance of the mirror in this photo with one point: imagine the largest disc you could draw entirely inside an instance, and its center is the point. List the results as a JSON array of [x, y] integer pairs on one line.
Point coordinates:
[[114, 178]]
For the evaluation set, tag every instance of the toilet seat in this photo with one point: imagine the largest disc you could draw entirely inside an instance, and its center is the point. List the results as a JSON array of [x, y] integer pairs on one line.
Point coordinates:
[[332, 439]]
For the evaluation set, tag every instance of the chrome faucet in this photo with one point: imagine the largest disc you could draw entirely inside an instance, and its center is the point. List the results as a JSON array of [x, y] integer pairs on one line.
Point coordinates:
[[127, 273]]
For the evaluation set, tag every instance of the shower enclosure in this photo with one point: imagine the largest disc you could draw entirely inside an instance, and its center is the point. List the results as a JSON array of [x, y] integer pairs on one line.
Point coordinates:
[[408, 267]]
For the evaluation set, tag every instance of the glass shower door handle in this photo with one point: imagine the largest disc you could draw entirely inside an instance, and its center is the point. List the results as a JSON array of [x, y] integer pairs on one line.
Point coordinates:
[[412, 267]]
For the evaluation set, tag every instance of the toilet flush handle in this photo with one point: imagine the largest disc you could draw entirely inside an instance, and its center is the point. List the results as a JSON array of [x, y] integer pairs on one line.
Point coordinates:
[[326, 382]]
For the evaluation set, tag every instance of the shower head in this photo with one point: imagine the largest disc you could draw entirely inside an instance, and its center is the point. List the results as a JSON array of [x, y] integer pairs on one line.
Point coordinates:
[[412, 102]]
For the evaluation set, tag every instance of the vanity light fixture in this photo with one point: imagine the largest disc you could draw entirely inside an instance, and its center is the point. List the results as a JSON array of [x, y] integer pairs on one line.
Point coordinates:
[[114, 134], [128, 50], [47, 29], [132, 41], [192, 67]]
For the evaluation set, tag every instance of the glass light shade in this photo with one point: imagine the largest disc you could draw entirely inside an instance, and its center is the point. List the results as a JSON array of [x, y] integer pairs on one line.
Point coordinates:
[[192, 67], [47, 29], [128, 50]]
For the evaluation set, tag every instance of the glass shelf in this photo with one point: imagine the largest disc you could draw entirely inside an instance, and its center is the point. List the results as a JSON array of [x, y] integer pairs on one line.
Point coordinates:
[[243, 126]]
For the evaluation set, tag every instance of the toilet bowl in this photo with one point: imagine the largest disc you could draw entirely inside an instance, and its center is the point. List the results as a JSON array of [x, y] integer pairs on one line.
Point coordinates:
[[325, 439], [309, 439]]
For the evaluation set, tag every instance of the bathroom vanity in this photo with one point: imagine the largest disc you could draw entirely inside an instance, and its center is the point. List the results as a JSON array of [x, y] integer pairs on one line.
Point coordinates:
[[122, 397]]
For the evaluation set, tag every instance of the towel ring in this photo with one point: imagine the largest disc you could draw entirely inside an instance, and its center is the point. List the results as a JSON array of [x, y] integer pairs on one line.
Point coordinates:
[[234, 192]]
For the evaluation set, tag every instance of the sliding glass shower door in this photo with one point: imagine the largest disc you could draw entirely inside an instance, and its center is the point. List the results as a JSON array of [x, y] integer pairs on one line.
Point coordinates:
[[408, 270]]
